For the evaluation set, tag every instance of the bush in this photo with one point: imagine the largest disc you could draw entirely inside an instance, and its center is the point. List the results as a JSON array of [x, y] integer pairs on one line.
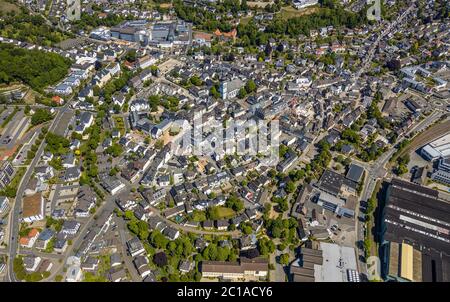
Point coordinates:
[[58, 278], [284, 259], [281, 247]]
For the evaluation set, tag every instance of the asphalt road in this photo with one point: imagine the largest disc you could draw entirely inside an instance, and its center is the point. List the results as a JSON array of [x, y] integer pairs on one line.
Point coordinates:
[[371, 52], [125, 255], [14, 217], [108, 206], [377, 171]]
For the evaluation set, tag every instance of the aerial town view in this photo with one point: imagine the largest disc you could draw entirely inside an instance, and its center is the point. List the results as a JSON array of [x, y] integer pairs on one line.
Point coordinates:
[[224, 140]]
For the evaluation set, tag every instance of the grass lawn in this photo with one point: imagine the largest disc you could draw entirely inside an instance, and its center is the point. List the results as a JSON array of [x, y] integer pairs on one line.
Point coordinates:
[[30, 96], [6, 7], [259, 4], [11, 86], [165, 5], [198, 216], [224, 212], [245, 20], [119, 123], [216, 213], [289, 12]]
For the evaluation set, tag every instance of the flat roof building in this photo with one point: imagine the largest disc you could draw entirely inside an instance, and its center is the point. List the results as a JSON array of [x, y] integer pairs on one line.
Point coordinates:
[[437, 148], [338, 261], [331, 182], [355, 173], [256, 267], [328, 263], [414, 216]]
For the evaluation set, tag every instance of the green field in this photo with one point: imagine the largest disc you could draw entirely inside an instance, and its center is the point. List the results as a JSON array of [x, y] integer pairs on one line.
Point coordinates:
[[119, 124], [213, 213], [289, 12], [222, 212], [245, 20], [6, 7]]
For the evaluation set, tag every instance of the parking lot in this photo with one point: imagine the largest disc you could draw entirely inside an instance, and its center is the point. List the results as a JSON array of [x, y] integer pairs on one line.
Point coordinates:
[[14, 130], [62, 196], [21, 156], [168, 65], [64, 123], [5, 114]]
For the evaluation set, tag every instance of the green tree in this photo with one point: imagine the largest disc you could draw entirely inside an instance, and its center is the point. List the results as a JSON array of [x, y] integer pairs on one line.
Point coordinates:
[[234, 203], [214, 93], [58, 278], [284, 259], [290, 186], [242, 93], [250, 86], [265, 246], [158, 240], [129, 215], [195, 80], [115, 150], [41, 116], [36, 68], [222, 253]]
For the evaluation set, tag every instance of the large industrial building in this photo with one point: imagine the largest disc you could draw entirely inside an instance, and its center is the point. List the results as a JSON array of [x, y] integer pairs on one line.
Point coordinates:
[[131, 31], [437, 148], [160, 34], [176, 32], [414, 234], [328, 262], [442, 172]]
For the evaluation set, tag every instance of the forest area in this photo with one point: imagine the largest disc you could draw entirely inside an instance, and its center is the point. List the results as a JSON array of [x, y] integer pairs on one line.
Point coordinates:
[[32, 67]]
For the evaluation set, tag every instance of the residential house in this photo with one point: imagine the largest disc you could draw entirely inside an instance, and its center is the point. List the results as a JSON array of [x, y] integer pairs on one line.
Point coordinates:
[[29, 240], [117, 275], [86, 199], [4, 205], [70, 227], [72, 174], [31, 263], [44, 238], [90, 264], [115, 260], [186, 266], [135, 247]]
